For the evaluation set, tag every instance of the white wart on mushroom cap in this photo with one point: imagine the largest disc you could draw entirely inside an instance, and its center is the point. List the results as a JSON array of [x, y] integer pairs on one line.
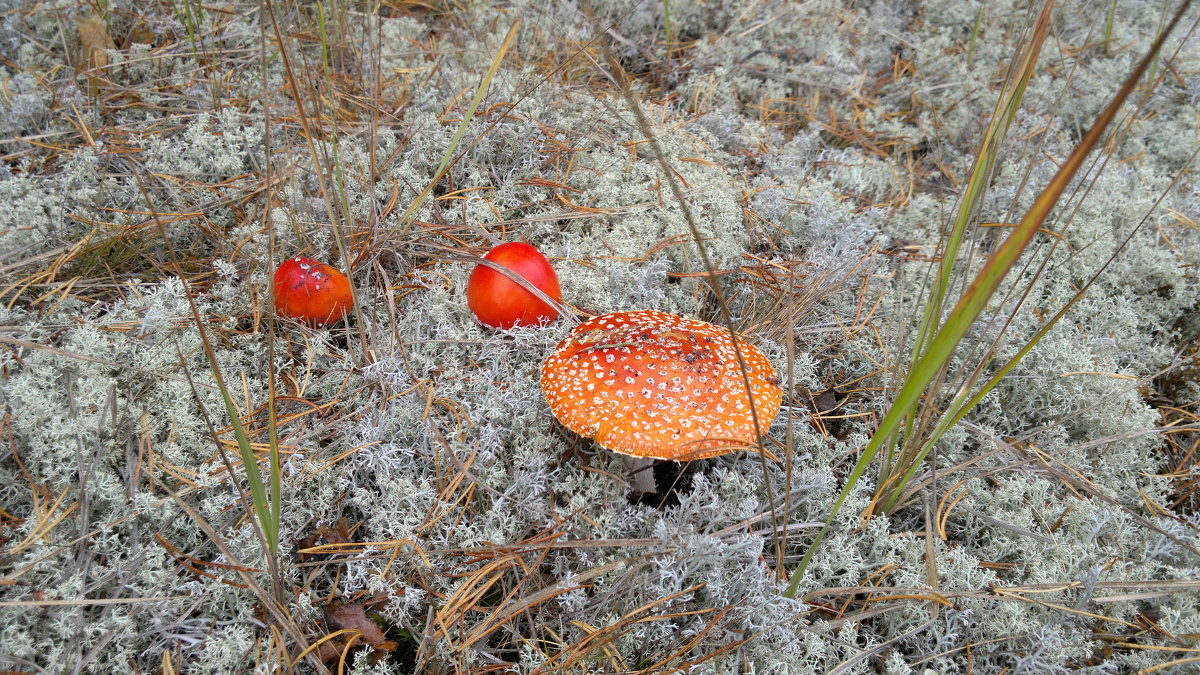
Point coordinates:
[[652, 384]]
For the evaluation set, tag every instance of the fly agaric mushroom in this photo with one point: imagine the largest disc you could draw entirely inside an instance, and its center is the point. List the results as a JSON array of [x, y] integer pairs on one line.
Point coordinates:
[[311, 291], [656, 385]]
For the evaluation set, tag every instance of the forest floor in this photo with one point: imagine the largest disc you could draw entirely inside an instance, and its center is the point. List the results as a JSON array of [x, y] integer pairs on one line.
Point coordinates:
[[191, 484]]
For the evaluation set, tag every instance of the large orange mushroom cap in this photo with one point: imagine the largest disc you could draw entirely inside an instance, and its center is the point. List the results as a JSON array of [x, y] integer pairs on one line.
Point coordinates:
[[652, 384]]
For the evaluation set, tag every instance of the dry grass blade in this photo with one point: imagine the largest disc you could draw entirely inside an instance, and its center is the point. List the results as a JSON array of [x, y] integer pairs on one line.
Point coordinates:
[[618, 76], [601, 639], [322, 178], [49, 517], [845, 666], [517, 605]]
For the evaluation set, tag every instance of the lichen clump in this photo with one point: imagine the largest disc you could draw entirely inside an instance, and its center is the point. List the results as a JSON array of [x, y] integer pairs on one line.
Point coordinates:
[[818, 150]]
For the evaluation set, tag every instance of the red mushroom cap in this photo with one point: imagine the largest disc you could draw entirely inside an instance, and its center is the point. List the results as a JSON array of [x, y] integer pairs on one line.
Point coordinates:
[[500, 302], [310, 291], [651, 384]]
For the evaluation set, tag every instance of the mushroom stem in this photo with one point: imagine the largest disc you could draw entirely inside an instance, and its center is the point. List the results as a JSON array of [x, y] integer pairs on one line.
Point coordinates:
[[641, 473]]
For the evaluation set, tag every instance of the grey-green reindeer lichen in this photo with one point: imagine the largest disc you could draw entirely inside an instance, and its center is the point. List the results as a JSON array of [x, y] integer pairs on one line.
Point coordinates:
[[828, 136]]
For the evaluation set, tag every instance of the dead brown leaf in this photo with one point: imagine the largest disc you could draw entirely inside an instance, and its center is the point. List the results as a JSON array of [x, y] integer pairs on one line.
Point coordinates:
[[139, 32], [354, 617], [94, 42], [362, 630], [338, 533]]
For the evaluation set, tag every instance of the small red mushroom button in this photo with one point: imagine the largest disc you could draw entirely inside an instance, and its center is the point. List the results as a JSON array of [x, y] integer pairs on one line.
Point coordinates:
[[500, 302], [311, 292]]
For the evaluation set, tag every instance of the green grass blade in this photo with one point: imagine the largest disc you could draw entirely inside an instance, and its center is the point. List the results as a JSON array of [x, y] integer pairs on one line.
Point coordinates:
[[666, 11], [975, 34], [961, 404], [258, 491], [981, 172], [411, 211], [985, 162], [324, 37], [267, 518], [1108, 26], [977, 295], [981, 290], [275, 510]]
